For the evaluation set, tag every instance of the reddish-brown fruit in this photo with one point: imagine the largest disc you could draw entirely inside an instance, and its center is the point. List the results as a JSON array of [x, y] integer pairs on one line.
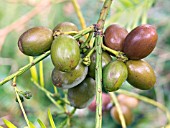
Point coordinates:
[[140, 74], [140, 42], [131, 102], [114, 37], [105, 102], [128, 116]]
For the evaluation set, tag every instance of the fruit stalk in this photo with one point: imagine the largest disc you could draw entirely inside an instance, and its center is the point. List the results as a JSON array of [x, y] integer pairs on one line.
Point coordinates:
[[98, 72], [118, 54], [113, 96], [84, 32], [41, 57], [147, 100]]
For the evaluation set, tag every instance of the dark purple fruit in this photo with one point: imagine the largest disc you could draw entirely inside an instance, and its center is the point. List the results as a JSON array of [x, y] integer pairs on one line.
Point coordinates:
[[35, 41], [140, 74], [65, 27], [128, 116], [106, 58], [114, 37], [82, 95], [140, 42], [65, 53], [69, 79], [114, 74]]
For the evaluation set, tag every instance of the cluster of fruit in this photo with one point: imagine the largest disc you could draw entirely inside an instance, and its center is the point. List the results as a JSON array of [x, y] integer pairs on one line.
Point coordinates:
[[69, 71], [127, 104], [136, 45]]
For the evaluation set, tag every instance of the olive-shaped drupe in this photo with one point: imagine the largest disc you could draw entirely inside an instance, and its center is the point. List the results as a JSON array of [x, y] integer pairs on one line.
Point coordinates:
[[140, 74], [126, 100], [114, 74], [127, 113], [106, 100], [140, 42], [114, 37], [82, 95], [106, 58], [65, 53], [65, 27], [70, 79], [35, 41]]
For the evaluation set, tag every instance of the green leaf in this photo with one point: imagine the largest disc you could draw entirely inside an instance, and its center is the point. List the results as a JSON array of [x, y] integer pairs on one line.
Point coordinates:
[[32, 125], [126, 3], [1, 127], [41, 123], [51, 119], [9, 124]]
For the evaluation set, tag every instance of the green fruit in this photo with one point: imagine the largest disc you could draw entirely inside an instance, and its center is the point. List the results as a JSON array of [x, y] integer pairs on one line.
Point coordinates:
[[114, 74], [128, 116], [69, 79], [65, 53], [65, 27], [114, 37], [140, 42], [140, 74], [82, 95], [35, 41], [106, 58]]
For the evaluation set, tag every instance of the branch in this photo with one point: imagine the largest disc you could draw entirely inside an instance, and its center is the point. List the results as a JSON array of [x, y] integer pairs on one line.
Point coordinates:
[[98, 72], [103, 13], [25, 68]]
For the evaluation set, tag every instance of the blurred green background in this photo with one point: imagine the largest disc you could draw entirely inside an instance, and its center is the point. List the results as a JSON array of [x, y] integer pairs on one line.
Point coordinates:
[[29, 13]]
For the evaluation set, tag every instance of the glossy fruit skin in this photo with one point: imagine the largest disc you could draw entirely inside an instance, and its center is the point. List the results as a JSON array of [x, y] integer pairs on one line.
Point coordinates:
[[65, 27], [126, 113], [82, 95], [114, 74], [114, 37], [106, 58], [140, 42], [70, 79], [131, 102], [35, 41], [65, 53], [105, 103], [140, 74]]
